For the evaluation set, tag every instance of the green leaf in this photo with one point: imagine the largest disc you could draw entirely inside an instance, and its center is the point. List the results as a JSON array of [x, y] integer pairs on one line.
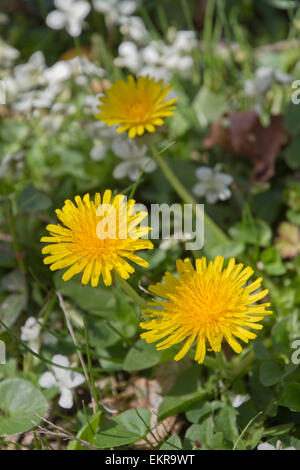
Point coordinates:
[[256, 232], [228, 250], [32, 200], [173, 443], [209, 105], [200, 409], [292, 118], [141, 356], [226, 420], [11, 308], [95, 300], [184, 392], [291, 397], [271, 373], [272, 262], [87, 433], [21, 404], [292, 154], [125, 429]]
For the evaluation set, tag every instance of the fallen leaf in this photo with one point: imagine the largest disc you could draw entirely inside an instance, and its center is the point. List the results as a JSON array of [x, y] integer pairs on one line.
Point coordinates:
[[244, 135]]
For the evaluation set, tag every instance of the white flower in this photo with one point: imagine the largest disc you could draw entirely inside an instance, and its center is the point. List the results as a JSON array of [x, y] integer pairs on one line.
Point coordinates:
[[158, 73], [31, 74], [213, 184], [31, 332], [8, 54], [115, 10], [134, 28], [15, 161], [129, 56], [59, 72], [184, 41], [238, 400], [174, 240], [135, 158], [36, 99], [81, 65], [267, 446], [70, 14], [264, 77], [65, 379]]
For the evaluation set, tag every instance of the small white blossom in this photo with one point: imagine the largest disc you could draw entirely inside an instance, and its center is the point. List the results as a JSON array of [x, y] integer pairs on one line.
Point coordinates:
[[129, 56], [31, 74], [65, 379], [134, 28], [264, 77], [8, 54], [176, 238], [115, 10], [70, 14], [13, 162], [136, 159], [213, 184], [59, 72], [30, 333], [267, 446], [238, 400]]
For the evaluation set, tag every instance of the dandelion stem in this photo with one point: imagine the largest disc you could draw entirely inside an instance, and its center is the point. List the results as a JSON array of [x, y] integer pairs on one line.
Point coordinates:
[[138, 300], [221, 363], [70, 328], [213, 233]]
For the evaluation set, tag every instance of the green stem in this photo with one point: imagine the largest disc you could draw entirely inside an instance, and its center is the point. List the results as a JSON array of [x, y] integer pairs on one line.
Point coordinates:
[[138, 300], [222, 364], [213, 231]]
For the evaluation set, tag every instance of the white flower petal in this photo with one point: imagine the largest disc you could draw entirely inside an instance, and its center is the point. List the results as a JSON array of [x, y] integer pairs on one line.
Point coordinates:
[[204, 173], [199, 189], [121, 170], [265, 446], [133, 171], [73, 27], [66, 398], [56, 20], [48, 380], [211, 196], [80, 10], [98, 153]]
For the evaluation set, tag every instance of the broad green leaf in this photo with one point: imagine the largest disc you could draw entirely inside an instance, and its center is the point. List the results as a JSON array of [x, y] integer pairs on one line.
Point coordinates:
[[225, 421], [184, 392], [271, 373], [291, 397], [11, 308], [21, 405], [256, 232], [141, 356], [126, 428], [202, 408], [32, 200], [95, 300], [209, 105]]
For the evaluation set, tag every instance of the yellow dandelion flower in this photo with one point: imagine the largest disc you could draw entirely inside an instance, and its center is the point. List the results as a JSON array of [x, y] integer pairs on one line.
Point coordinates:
[[96, 237], [136, 105], [206, 305]]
